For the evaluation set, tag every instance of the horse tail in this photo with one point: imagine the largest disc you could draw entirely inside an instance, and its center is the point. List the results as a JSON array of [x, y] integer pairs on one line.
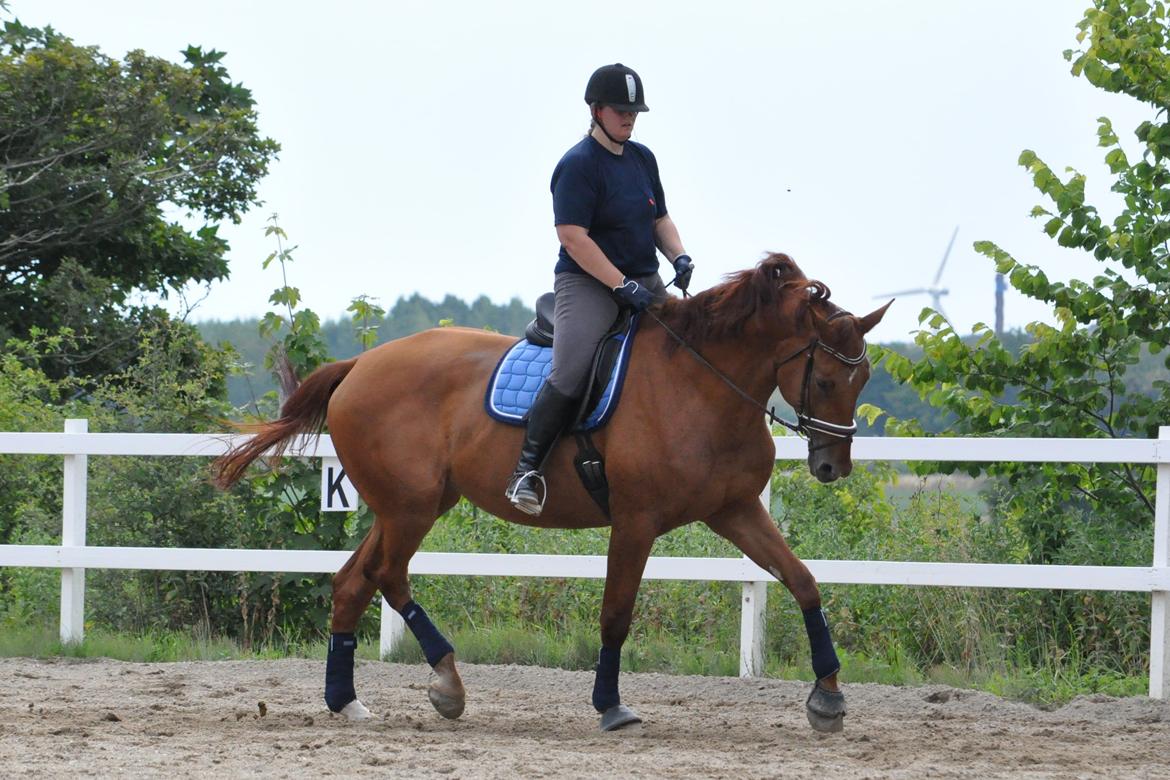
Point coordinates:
[[303, 412]]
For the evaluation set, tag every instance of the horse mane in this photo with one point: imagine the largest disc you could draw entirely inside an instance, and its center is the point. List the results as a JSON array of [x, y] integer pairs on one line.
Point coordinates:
[[723, 311]]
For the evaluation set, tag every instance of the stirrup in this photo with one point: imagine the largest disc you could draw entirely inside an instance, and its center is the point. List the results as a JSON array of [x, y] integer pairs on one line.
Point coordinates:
[[526, 506]]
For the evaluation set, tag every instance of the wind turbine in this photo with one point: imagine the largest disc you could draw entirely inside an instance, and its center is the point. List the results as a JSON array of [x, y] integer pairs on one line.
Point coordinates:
[[934, 291]]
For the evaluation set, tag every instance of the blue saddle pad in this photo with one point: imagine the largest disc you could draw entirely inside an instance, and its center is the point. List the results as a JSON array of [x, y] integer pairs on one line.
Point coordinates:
[[525, 367]]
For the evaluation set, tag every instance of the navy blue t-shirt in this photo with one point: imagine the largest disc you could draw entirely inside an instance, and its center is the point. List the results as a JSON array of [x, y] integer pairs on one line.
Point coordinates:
[[616, 197]]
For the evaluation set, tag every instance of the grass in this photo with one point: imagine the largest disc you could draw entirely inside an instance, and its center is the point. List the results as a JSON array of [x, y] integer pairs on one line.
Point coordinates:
[[576, 649], [1055, 685], [966, 490], [156, 647]]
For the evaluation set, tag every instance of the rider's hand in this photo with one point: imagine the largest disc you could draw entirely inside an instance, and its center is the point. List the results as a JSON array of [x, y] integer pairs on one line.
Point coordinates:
[[634, 295], [683, 266]]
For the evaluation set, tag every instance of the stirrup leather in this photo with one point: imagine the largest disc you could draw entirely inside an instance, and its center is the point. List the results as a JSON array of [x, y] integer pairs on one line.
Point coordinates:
[[514, 488]]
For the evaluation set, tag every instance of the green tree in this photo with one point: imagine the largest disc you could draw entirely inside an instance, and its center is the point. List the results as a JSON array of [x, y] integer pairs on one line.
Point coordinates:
[[1070, 379], [97, 158], [348, 336], [300, 348]]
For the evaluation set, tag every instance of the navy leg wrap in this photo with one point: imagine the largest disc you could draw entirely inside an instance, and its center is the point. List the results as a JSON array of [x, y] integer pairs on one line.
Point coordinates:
[[824, 657], [339, 671], [605, 684], [434, 644]]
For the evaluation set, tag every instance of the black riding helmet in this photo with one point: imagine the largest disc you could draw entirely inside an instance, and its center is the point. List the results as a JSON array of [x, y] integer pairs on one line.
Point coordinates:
[[616, 86]]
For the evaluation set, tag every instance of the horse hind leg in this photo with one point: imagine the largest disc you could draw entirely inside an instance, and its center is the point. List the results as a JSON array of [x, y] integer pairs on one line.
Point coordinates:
[[352, 592], [397, 543]]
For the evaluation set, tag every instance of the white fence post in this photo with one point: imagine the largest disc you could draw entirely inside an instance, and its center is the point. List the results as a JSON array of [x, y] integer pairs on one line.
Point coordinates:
[[1160, 599], [751, 616], [73, 535], [751, 629], [391, 631]]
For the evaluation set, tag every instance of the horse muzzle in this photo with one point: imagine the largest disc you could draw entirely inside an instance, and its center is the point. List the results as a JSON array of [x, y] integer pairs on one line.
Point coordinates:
[[829, 456]]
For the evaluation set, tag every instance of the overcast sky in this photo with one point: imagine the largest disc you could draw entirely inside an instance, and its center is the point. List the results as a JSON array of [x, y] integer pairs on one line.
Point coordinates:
[[419, 138]]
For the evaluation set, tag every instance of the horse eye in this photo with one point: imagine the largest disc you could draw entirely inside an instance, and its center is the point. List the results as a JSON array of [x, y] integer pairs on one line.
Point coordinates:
[[825, 384]]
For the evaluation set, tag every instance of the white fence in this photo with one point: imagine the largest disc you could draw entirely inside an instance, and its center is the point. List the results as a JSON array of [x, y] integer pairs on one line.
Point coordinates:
[[73, 556]]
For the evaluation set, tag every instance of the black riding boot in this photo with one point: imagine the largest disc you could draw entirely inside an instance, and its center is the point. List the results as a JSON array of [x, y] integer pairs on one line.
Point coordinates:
[[546, 419]]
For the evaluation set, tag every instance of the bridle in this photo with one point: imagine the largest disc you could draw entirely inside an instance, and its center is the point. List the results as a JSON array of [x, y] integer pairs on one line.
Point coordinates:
[[805, 423]]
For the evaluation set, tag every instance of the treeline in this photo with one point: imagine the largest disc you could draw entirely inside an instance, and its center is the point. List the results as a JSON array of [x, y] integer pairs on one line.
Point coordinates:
[[415, 313], [408, 315]]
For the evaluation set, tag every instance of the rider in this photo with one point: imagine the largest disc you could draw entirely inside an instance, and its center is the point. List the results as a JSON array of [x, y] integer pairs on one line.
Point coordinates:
[[610, 215]]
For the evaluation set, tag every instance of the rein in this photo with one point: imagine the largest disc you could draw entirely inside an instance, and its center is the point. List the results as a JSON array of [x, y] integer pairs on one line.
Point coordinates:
[[805, 423]]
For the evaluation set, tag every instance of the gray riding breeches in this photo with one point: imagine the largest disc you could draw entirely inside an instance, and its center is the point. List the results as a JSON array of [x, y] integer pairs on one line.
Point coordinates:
[[585, 311]]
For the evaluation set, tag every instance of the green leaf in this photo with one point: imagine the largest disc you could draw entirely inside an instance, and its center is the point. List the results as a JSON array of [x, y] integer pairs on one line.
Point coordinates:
[[286, 296], [1105, 134], [1116, 160], [270, 323]]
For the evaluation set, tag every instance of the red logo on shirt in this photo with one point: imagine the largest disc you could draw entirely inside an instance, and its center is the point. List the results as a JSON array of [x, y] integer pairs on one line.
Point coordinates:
[[651, 201]]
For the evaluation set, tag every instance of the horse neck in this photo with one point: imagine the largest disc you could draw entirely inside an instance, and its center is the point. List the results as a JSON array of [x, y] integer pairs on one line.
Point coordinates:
[[748, 361]]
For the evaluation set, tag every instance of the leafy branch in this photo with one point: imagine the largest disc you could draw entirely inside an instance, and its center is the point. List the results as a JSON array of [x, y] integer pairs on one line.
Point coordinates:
[[1069, 380]]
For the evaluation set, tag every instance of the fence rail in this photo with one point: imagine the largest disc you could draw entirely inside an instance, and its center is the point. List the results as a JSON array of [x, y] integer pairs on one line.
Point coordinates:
[[73, 556]]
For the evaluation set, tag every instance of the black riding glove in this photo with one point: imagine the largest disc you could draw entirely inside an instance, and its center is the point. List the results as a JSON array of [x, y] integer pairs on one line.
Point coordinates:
[[683, 266], [633, 295]]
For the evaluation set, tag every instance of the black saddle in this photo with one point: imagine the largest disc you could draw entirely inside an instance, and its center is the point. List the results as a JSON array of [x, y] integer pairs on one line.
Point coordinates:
[[540, 330], [540, 333]]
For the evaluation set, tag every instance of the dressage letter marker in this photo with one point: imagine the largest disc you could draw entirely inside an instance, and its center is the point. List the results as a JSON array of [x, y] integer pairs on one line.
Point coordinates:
[[337, 492]]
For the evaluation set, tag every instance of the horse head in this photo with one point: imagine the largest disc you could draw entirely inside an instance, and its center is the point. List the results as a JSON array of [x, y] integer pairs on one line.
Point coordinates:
[[818, 350], [822, 377]]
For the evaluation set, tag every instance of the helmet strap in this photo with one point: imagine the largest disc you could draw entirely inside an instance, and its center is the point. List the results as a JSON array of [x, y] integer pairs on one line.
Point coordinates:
[[597, 121]]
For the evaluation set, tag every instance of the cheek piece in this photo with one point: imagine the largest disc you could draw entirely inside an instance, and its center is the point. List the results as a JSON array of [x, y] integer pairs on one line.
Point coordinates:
[[824, 657]]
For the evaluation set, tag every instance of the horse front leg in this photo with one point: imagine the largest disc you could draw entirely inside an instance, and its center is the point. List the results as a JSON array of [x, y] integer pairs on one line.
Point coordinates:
[[750, 528], [629, 547]]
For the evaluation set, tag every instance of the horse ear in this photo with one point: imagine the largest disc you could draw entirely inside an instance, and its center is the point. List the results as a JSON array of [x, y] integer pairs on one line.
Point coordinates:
[[868, 322], [819, 321]]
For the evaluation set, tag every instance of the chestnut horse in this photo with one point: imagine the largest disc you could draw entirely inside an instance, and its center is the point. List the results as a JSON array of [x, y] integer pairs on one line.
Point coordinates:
[[688, 442]]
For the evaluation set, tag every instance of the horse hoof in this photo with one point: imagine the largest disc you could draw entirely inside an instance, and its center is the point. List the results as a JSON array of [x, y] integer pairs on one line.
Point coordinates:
[[450, 707], [355, 710], [617, 716], [446, 690], [825, 709]]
